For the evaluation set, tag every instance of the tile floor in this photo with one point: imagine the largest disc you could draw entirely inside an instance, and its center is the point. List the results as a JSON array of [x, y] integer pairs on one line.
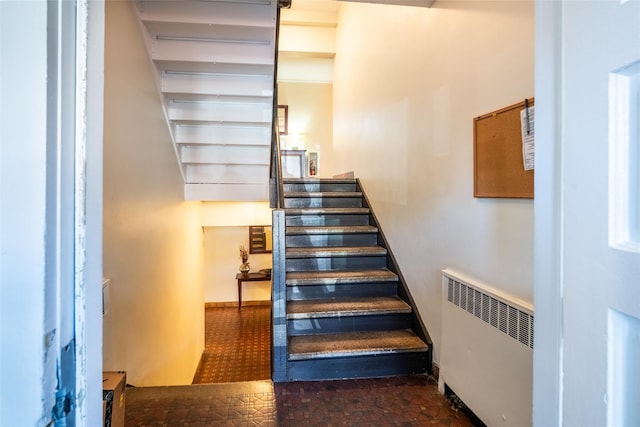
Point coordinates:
[[398, 401], [237, 345]]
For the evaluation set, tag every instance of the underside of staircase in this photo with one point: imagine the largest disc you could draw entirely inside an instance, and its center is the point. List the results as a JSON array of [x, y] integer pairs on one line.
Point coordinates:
[[348, 313], [214, 62]]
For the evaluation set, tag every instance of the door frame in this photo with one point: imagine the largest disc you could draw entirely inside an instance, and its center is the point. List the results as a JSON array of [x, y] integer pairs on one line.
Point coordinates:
[[89, 140], [548, 293]]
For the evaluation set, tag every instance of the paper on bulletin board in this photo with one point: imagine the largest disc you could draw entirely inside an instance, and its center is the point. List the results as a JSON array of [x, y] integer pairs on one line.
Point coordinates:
[[527, 120]]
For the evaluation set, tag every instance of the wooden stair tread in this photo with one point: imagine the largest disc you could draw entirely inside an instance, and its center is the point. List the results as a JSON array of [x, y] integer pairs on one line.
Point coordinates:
[[348, 344], [337, 251], [311, 309], [299, 278], [330, 229]]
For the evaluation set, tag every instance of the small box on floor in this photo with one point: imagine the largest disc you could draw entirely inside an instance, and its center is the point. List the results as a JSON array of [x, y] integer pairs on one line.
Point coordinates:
[[114, 386]]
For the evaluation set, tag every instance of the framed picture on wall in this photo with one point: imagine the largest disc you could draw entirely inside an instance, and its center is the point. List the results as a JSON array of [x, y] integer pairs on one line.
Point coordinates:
[[293, 163], [283, 119]]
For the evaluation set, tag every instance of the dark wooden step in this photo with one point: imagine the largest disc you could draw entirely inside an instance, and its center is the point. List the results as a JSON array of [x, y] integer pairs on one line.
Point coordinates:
[[373, 366], [327, 211], [336, 258], [354, 344], [327, 252], [306, 278], [324, 230], [338, 199], [357, 235], [347, 315], [318, 184], [325, 325], [345, 290], [309, 285], [326, 216], [346, 307]]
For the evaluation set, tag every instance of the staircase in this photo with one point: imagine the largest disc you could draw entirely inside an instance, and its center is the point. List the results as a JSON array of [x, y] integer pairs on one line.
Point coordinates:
[[215, 63], [345, 317]]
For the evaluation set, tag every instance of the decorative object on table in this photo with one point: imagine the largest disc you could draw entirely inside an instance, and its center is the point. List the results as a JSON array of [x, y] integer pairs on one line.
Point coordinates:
[[244, 256], [265, 271], [313, 163]]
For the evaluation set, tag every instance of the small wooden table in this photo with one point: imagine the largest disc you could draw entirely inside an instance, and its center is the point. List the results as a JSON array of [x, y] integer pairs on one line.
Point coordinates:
[[249, 277]]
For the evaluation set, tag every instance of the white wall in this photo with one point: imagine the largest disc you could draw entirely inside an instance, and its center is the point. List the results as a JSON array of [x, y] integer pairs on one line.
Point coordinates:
[[226, 227], [225, 214], [310, 120], [153, 240], [23, 169], [407, 84], [222, 252]]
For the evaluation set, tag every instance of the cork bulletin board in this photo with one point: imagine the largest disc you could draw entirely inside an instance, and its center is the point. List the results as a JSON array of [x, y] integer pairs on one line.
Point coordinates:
[[497, 155]]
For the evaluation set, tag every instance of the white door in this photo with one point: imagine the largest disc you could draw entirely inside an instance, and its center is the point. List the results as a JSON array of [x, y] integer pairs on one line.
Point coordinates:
[[597, 189]]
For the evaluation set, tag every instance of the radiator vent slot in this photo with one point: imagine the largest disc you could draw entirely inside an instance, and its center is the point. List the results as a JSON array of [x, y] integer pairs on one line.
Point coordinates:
[[500, 314]]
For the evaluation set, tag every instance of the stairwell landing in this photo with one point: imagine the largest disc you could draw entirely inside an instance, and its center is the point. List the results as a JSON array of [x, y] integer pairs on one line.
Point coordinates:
[[348, 313]]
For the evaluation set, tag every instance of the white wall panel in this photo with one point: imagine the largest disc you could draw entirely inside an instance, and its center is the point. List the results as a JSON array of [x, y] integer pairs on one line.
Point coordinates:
[[227, 174], [218, 111], [227, 192], [226, 154], [233, 85], [224, 135]]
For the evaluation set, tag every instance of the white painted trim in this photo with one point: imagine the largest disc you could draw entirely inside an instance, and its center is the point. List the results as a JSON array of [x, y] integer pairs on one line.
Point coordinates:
[[89, 128], [80, 211], [547, 359]]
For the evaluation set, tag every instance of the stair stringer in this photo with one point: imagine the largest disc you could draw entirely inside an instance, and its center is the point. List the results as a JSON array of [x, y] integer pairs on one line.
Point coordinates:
[[279, 337], [417, 325]]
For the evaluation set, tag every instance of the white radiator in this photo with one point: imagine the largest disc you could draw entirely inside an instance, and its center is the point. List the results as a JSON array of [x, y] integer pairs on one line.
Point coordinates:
[[487, 350]]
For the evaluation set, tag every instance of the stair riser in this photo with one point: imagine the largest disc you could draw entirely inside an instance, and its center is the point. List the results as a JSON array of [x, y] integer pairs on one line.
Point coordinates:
[[326, 325], [228, 13], [335, 263], [323, 202], [196, 51], [326, 220], [318, 186], [223, 85], [224, 135], [220, 112], [226, 174], [383, 365], [224, 154], [311, 292], [331, 240]]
